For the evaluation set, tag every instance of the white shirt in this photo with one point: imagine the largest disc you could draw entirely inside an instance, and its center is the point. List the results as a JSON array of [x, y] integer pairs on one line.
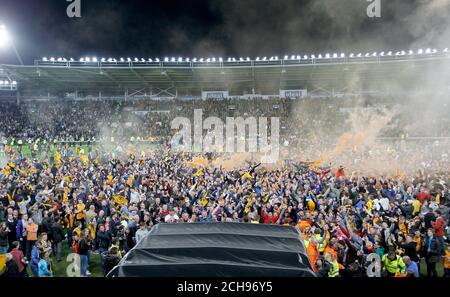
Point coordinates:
[[384, 203], [168, 218]]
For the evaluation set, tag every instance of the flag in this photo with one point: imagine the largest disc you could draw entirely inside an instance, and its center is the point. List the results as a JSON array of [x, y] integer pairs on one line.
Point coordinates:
[[199, 172], [317, 162], [247, 206], [246, 175], [58, 159], [205, 199], [84, 159], [120, 199], [65, 195]]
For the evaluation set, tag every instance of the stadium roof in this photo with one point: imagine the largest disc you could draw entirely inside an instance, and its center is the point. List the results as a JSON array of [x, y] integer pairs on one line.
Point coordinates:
[[217, 249], [180, 77]]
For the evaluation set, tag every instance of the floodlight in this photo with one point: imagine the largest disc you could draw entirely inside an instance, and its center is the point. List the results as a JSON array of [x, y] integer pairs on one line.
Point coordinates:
[[367, 55], [201, 60], [359, 55], [87, 59], [420, 51], [342, 55], [382, 54], [44, 59], [286, 57], [352, 55], [257, 58], [335, 56], [194, 60], [248, 59], [265, 58], [180, 59], [313, 56], [150, 60], [411, 52], [122, 60], [220, 59], [433, 51], [428, 51], [4, 36], [389, 53], [172, 60], [157, 59], [445, 50], [52, 59], [103, 60], [14, 82], [94, 59]]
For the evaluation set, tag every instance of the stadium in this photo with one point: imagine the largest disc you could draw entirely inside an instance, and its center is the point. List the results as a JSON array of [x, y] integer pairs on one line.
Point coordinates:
[[93, 183]]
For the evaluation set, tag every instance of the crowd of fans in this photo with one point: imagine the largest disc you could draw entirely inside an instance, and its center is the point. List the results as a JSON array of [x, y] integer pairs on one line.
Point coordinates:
[[96, 201]]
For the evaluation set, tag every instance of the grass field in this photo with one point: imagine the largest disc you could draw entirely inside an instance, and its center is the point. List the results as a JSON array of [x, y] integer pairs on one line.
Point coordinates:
[[59, 268]]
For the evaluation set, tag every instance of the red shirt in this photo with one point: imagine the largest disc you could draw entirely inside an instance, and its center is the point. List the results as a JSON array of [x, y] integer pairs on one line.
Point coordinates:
[[18, 256], [438, 226], [422, 196]]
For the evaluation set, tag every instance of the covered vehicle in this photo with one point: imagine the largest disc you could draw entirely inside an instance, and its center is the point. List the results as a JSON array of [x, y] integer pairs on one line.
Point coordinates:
[[217, 250]]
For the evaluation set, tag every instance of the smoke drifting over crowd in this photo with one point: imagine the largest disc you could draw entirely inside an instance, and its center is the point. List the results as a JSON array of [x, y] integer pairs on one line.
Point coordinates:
[[214, 28], [264, 28]]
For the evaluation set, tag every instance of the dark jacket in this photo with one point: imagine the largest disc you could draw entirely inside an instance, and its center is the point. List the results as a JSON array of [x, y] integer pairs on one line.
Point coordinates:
[[47, 227], [110, 261], [57, 232], [103, 240], [83, 247], [433, 251], [410, 251], [3, 238], [12, 270]]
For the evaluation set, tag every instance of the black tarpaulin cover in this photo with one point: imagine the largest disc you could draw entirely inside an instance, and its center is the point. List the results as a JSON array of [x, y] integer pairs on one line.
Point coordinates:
[[217, 250]]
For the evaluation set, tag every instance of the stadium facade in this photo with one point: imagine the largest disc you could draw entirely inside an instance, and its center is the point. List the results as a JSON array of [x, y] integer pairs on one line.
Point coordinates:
[[326, 75]]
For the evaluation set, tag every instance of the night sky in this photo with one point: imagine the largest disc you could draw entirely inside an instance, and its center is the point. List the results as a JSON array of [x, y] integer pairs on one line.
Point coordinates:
[[200, 28]]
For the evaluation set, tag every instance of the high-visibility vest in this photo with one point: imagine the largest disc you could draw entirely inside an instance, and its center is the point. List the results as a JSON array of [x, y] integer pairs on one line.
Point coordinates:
[[321, 246], [334, 271], [313, 255], [306, 241], [331, 251], [395, 266]]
